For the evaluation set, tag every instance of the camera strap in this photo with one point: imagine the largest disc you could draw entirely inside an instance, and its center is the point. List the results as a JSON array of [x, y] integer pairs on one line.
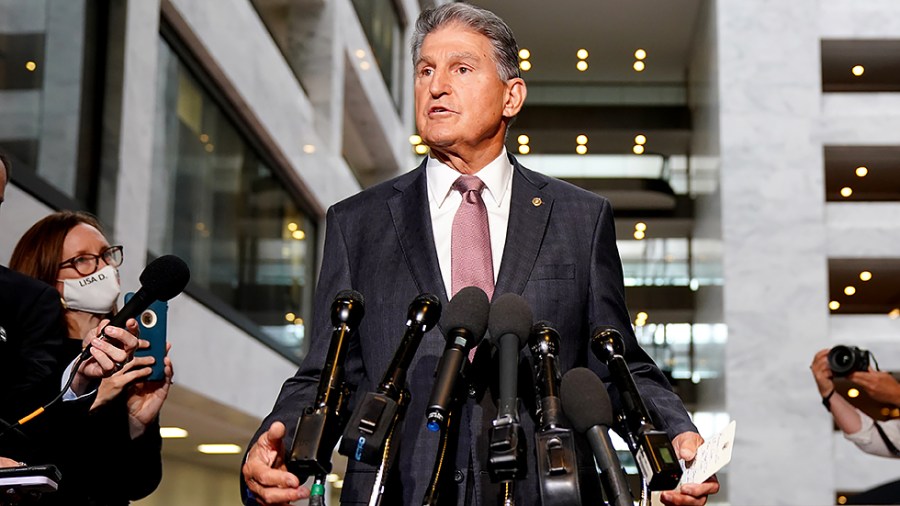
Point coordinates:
[[887, 442]]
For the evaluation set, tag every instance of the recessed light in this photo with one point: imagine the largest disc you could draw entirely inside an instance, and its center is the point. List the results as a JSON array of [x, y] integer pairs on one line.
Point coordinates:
[[581, 139], [834, 305], [524, 54], [846, 191], [290, 316], [640, 226], [581, 149], [582, 54], [299, 235], [30, 66], [895, 313], [581, 65], [639, 66], [865, 275], [640, 54], [421, 149], [640, 139], [364, 65], [639, 235], [524, 149], [219, 449], [523, 139], [172, 433], [292, 226], [332, 477], [853, 393], [858, 70], [638, 149], [338, 484], [641, 316], [525, 65], [849, 290], [415, 139], [360, 53], [862, 171], [309, 149]]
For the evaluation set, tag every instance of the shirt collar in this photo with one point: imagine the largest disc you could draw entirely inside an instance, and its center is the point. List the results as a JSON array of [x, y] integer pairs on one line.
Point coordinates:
[[495, 176]]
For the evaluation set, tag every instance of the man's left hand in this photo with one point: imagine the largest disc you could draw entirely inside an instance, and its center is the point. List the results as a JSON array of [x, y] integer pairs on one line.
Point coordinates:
[[880, 385], [691, 494]]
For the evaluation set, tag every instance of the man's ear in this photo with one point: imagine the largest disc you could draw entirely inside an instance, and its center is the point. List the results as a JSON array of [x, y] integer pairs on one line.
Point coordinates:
[[516, 92]]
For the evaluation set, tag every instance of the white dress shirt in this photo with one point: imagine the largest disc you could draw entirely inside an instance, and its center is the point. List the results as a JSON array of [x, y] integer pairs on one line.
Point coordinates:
[[443, 201]]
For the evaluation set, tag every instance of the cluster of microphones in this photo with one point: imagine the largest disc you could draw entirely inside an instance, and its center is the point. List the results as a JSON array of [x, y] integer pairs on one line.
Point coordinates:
[[577, 402]]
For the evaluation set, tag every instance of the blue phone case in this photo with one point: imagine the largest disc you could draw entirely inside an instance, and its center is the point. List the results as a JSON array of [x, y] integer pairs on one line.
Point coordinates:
[[152, 324]]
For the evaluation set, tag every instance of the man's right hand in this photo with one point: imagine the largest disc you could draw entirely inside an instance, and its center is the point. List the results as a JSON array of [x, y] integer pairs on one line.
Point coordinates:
[[265, 473], [822, 372]]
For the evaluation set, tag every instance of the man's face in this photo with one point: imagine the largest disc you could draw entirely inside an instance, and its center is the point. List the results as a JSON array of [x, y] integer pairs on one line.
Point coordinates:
[[460, 99]]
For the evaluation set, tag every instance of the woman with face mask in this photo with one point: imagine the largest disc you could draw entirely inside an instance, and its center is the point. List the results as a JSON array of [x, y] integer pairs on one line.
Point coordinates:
[[69, 251]]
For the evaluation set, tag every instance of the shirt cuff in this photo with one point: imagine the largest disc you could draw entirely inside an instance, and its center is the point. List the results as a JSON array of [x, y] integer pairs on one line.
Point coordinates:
[[71, 395]]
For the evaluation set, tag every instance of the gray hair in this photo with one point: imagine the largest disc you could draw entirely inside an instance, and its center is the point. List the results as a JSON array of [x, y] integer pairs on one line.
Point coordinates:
[[485, 22]]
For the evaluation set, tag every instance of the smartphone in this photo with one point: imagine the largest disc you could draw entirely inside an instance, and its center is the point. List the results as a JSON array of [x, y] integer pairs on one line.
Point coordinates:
[[152, 323], [29, 479]]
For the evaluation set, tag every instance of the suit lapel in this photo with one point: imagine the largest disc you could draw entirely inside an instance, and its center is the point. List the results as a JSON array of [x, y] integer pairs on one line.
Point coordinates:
[[412, 222], [529, 213]]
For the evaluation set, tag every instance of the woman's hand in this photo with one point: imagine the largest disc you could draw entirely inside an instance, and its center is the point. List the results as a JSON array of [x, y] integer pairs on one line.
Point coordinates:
[[146, 398], [139, 367], [107, 356]]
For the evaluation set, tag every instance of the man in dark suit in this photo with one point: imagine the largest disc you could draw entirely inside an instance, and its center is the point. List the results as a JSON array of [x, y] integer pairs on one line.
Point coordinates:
[[549, 241]]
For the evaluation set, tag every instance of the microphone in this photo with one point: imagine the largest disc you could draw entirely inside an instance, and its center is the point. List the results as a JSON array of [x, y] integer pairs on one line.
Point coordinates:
[[652, 448], [509, 325], [557, 462], [375, 416], [162, 279], [466, 320], [316, 433], [587, 404]]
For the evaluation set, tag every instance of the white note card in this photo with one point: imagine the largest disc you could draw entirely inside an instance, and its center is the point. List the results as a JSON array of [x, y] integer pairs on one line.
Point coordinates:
[[711, 456]]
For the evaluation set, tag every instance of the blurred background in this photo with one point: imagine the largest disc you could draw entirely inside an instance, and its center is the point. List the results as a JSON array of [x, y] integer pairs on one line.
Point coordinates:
[[750, 149]]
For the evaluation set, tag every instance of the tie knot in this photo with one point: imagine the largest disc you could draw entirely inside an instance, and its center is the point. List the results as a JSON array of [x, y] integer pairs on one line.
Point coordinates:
[[465, 184]]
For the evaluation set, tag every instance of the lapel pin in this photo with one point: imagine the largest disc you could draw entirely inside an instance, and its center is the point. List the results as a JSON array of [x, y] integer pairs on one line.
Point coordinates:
[[536, 202]]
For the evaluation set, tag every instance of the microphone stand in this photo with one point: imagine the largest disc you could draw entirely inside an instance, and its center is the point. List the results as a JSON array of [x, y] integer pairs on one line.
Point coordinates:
[[390, 452], [317, 491], [433, 490]]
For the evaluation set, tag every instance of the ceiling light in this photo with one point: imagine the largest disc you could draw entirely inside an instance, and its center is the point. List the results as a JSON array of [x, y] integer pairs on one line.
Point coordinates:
[[292, 226], [415, 139], [299, 235], [332, 477], [219, 449], [640, 139], [525, 65], [862, 171], [846, 191], [298, 321], [582, 54], [640, 226], [638, 235], [364, 65], [834, 305], [640, 54], [209, 148], [172, 433], [581, 149], [360, 53], [849, 290], [290, 317], [524, 54], [641, 316], [858, 70], [581, 139], [204, 138], [523, 139], [853, 393], [338, 484], [895, 313], [309, 149], [421, 149], [639, 66], [865, 275], [581, 65], [30, 66], [638, 149], [524, 149]]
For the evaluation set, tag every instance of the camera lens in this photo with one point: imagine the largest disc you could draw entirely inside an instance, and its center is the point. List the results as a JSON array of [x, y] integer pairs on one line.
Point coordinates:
[[842, 360]]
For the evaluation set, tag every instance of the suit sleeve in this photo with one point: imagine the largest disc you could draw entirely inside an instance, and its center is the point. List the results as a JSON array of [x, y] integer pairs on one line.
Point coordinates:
[[607, 307]]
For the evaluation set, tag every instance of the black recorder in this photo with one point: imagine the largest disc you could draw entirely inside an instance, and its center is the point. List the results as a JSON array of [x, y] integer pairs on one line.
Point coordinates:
[[652, 448]]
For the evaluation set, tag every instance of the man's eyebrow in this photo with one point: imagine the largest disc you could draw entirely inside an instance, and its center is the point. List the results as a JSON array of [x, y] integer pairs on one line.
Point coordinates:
[[456, 55]]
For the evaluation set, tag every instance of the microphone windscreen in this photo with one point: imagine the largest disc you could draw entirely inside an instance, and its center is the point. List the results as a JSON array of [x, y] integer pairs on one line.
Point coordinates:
[[585, 400], [510, 314], [468, 309], [165, 277], [352, 295]]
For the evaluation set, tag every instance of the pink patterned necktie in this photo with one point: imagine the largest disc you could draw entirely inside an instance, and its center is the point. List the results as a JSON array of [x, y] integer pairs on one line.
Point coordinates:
[[471, 263]]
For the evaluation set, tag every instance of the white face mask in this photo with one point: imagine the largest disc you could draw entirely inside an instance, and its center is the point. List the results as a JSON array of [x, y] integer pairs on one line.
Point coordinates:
[[96, 293]]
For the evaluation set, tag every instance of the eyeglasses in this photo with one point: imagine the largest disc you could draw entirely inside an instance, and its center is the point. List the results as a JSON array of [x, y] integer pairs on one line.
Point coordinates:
[[87, 264]]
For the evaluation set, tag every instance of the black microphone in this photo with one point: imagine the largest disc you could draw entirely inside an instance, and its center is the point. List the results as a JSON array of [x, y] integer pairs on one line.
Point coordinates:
[[509, 325], [652, 448], [557, 461], [162, 279], [316, 432], [586, 403], [376, 415], [466, 320]]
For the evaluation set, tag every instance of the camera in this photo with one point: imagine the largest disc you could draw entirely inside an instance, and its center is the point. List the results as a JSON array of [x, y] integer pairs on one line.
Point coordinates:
[[844, 360]]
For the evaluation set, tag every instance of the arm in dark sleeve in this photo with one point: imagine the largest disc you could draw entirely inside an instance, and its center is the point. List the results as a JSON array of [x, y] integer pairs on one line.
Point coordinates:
[[607, 307]]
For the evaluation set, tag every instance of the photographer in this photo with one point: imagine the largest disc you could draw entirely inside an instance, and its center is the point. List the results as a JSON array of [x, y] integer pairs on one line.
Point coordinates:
[[881, 438]]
